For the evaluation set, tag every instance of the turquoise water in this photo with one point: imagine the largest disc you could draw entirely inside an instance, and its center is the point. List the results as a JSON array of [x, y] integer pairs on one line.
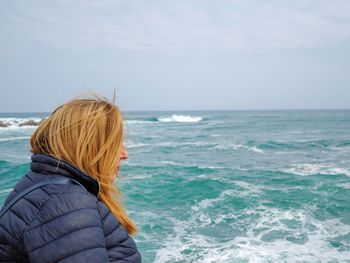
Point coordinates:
[[239, 186]]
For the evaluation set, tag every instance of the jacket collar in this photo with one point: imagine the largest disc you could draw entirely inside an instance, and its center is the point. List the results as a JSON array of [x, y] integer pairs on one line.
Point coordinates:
[[46, 164]]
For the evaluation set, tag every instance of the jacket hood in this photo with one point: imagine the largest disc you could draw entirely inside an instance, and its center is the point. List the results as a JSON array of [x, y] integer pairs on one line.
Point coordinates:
[[46, 164]]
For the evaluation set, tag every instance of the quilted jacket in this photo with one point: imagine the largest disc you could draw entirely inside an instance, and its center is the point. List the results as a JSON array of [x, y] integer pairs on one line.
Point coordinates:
[[62, 222]]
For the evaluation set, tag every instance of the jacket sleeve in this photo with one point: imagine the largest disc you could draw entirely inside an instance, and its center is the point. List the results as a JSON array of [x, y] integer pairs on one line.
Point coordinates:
[[67, 229]]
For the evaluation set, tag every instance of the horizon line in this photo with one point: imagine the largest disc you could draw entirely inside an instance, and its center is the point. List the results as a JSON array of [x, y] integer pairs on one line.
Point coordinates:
[[204, 110]]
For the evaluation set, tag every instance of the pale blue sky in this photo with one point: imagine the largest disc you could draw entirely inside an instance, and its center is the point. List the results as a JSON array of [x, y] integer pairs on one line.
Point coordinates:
[[176, 55]]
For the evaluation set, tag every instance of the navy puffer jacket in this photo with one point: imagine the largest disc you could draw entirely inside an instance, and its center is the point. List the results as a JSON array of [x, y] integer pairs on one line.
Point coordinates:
[[62, 222]]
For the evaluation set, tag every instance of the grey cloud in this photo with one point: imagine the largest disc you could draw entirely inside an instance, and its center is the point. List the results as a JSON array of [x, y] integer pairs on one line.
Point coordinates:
[[172, 25]]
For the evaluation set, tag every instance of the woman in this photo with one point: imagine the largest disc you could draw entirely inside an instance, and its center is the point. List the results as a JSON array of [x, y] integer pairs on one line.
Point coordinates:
[[83, 222]]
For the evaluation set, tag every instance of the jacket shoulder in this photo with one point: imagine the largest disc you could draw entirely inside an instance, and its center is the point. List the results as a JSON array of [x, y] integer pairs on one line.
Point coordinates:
[[41, 206], [63, 199], [67, 227]]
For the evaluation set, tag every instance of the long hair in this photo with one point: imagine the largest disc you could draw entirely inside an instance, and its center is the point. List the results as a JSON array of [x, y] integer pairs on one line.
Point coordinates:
[[87, 132]]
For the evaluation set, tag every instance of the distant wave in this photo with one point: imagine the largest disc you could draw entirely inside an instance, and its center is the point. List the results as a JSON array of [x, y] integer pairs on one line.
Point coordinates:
[[173, 118], [234, 146], [202, 167], [171, 163], [136, 145], [14, 138], [197, 144], [210, 167], [302, 143], [137, 121], [276, 145], [305, 169], [256, 147], [180, 118], [15, 123]]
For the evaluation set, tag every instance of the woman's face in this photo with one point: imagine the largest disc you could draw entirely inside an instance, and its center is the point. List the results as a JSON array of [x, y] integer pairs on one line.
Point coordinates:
[[123, 156]]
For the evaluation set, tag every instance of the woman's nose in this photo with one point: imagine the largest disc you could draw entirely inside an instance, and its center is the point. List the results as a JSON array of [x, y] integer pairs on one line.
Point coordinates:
[[124, 153]]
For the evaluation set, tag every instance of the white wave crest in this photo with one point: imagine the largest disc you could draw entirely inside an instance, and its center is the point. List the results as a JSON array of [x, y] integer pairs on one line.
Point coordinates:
[[255, 149], [211, 167], [234, 146], [180, 118], [205, 203], [305, 169], [136, 145]]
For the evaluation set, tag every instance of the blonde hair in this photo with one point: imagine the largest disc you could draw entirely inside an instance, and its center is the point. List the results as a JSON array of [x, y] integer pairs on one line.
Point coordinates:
[[87, 132]]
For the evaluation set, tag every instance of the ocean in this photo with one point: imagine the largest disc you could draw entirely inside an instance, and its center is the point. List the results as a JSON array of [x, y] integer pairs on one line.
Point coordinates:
[[225, 186]]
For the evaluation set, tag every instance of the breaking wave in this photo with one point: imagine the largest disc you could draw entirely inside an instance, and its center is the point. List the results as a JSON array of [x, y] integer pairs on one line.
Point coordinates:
[[180, 118], [17, 123]]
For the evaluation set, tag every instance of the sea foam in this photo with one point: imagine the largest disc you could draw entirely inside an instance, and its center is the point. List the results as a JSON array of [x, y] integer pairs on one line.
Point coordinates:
[[310, 241], [180, 118]]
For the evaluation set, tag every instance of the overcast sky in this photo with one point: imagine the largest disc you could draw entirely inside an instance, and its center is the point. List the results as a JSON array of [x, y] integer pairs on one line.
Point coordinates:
[[176, 55]]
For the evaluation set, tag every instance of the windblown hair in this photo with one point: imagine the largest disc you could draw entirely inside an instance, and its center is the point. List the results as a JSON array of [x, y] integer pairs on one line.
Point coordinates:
[[87, 132]]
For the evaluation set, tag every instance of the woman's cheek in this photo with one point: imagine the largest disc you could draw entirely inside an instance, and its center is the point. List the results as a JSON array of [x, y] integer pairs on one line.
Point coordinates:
[[113, 177]]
